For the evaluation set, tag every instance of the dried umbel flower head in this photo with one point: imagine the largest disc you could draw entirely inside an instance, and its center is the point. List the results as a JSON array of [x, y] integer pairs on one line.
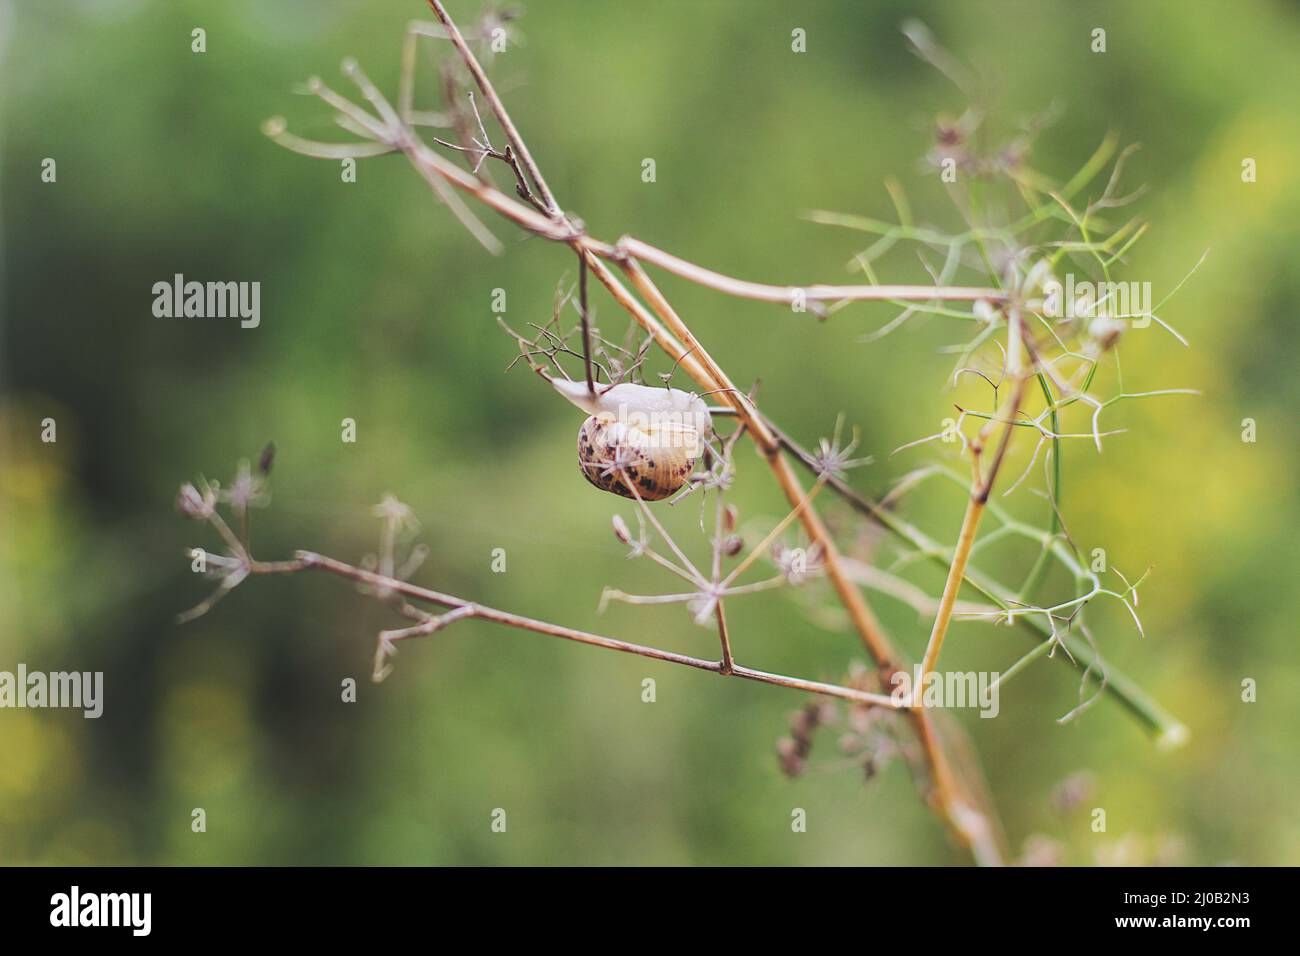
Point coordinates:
[[789, 757], [247, 490], [621, 530], [792, 751], [1104, 331], [797, 565], [395, 513], [729, 517], [266, 460], [947, 132], [195, 504], [833, 459]]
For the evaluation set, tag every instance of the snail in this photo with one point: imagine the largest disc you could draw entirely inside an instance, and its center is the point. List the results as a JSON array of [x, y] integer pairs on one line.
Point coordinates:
[[648, 437]]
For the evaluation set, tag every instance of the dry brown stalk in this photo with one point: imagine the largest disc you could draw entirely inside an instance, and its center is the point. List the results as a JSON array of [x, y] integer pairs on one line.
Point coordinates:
[[981, 486], [390, 586], [310, 561]]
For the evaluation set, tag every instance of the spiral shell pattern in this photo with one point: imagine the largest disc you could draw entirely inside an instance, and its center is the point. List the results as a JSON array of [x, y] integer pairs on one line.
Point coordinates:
[[657, 459]]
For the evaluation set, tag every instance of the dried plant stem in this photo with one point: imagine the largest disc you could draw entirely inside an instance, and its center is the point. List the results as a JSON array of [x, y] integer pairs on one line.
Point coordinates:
[[724, 635], [556, 227], [788, 295], [728, 664], [497, 107], [680, 355], [390, 133], [981, 833], [311, 561], [948, 796], [981, 487], [864, 621], [1167, 728], [1158, 721], [430, 165], [956, 574]]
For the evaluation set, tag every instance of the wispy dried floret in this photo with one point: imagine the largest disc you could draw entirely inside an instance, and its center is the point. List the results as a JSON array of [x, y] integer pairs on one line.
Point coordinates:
[[396, 513], [797, 564], [246, 490], [832, 459], [199, 505]]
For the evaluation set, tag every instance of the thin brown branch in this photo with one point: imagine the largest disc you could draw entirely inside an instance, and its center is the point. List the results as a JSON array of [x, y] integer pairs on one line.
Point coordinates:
[[789, 295], [864, 621], [309, 561], [498, 109], [728, 663], [586, 323], [981, 486]]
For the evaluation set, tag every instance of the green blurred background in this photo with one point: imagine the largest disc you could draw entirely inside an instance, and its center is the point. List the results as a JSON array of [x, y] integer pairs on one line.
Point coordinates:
[[376, 306]]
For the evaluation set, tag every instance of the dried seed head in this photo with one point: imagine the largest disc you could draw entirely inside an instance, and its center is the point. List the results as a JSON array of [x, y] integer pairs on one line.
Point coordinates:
[[948, 132], [396, 513], [246, 490], [788, 757], [621, 530], [195, 505], [729, 518], [731, 546], [797, 564], [1105, 331]]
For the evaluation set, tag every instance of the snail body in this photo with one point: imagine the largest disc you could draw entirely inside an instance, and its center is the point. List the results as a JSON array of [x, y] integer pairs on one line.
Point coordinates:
[[635, 435]]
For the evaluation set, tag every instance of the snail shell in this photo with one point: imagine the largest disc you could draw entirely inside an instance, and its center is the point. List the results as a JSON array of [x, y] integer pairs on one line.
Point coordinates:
[[658, 459], [649, 437]]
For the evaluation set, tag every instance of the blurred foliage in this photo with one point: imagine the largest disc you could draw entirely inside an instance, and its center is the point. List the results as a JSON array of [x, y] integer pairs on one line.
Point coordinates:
[[376, 306]]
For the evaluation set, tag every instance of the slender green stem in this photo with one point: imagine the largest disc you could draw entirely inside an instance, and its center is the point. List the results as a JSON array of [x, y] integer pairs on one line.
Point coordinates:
[[1039, 569], [1168, 730]]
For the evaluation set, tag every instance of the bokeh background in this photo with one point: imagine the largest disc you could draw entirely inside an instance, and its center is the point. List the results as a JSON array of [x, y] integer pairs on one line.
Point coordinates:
[[376, 306]]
